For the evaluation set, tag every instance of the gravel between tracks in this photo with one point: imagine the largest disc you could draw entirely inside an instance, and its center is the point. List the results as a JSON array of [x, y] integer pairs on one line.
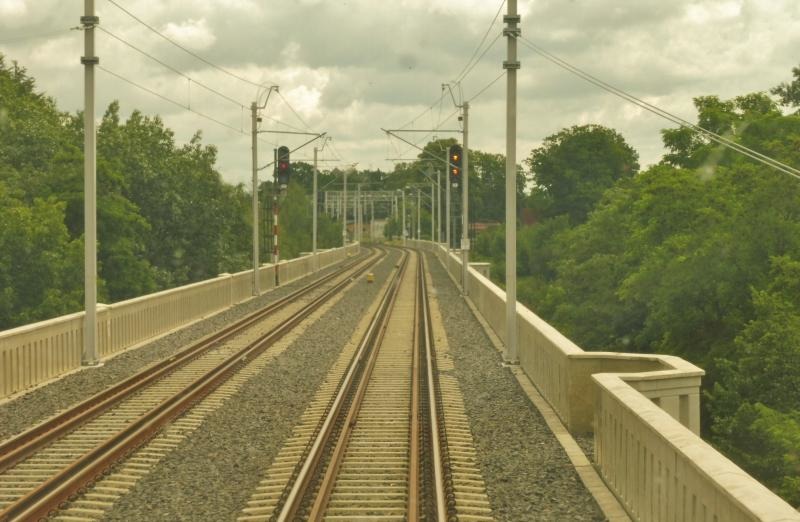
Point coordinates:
[[44, 402], [528, 475], [211, 475]]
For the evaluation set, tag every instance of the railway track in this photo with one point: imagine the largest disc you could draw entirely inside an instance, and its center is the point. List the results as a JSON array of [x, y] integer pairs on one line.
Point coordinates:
[[44, 467], [384, 437]]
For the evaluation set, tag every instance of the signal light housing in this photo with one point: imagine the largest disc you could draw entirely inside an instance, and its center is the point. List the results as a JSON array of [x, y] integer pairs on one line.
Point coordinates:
[[283, 168], [456, 159]]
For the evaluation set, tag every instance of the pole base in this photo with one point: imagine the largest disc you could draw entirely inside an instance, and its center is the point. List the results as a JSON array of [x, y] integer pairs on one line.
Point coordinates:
[[91, 364]]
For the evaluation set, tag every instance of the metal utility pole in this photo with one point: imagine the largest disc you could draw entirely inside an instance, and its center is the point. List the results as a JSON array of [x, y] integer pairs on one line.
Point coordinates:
[[254, 149], [344, 211], [419, 209], [357, 206], [89, 60], [511, 65], [439, 205], [372, 220], [447, 198], [254, 119], [314, 215], [465, 206], [433, 213], [275, 215], [404, 218]]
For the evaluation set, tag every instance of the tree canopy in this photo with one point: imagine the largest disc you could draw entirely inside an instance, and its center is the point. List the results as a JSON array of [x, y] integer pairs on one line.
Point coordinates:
[[697, 256], [574, 167]]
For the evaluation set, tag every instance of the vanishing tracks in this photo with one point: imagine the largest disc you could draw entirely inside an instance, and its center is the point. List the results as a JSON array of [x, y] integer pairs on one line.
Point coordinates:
[[384, 438], [46, 466]]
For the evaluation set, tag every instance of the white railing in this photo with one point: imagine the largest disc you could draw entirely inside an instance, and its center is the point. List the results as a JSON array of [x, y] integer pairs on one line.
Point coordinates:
[[35, 353], [644, 411]]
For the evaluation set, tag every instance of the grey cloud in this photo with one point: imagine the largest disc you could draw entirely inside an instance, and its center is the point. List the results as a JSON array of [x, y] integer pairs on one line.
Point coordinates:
[[384, 62]]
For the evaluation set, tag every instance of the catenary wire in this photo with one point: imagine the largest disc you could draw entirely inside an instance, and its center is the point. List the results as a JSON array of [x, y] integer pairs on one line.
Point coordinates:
[[462, 74], [299, 118], [204, 60], [474, 97], [177, 103], [465, 71], [766, 160], [171, 68], [487, 87], [488, 48], [184, 49]]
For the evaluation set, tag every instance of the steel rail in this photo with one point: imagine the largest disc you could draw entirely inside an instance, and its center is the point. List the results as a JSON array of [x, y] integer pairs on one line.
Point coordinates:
[[415, 430], [90, 467], [310, 467], [436, 430], [24, 444], [425, 414], [337, 457]]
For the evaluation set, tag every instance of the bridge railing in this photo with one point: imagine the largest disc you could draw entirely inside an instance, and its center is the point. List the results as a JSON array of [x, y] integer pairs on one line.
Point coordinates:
[[644, 412], [35, 353]]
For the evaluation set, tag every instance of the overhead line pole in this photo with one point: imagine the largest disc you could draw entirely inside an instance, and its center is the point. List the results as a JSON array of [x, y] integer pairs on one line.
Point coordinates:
[[511, 65], [254, 119], [254, 150], [433, 214], [447, 197], [439, 205], [465, 207], [344, 211], [404, 218], [419, 213], [89, 60], [314, 215]]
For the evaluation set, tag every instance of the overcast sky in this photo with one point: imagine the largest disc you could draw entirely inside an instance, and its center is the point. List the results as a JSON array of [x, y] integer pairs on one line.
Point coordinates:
[[350, 67]]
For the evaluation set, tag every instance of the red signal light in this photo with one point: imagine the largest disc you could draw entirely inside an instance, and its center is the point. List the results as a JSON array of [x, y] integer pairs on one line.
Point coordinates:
[[455, 157]]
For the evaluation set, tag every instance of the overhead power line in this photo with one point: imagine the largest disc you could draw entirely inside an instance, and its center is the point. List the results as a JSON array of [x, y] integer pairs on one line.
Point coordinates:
[[299, 118], [466, 70], [184, 49], [487, 87], [205, 61], [463, 74], [766, 160], [476, 62], [415, 145], [428, 109], [177, 103], [171, 68]]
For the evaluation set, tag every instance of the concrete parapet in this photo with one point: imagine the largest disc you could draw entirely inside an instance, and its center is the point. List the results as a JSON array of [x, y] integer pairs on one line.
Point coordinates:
[[38, 352], [644, 411]]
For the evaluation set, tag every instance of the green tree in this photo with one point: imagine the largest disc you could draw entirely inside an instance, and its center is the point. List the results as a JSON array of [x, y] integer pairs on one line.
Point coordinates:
[[41, 268], [789, 92], [575, 166], [728, 118], [295, 222]]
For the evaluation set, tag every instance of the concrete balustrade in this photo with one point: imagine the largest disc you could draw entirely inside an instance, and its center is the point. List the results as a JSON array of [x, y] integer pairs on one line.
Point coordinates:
[[35, 353], [644, 411]]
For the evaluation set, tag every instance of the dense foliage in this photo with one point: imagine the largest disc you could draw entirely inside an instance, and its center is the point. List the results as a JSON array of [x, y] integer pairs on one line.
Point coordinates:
[[165, 216], [698, 256]]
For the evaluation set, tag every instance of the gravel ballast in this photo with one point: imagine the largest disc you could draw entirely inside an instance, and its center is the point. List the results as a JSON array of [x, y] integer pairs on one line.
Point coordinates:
[[212, 474], [527, 473], [43, 402]]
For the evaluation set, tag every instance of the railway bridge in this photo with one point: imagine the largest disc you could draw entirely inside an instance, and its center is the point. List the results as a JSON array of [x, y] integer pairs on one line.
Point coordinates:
[[361, 384]]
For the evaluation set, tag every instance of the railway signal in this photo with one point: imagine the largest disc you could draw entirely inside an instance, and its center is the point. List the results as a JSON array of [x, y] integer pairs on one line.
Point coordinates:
[[456, 159], [283, 167]]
